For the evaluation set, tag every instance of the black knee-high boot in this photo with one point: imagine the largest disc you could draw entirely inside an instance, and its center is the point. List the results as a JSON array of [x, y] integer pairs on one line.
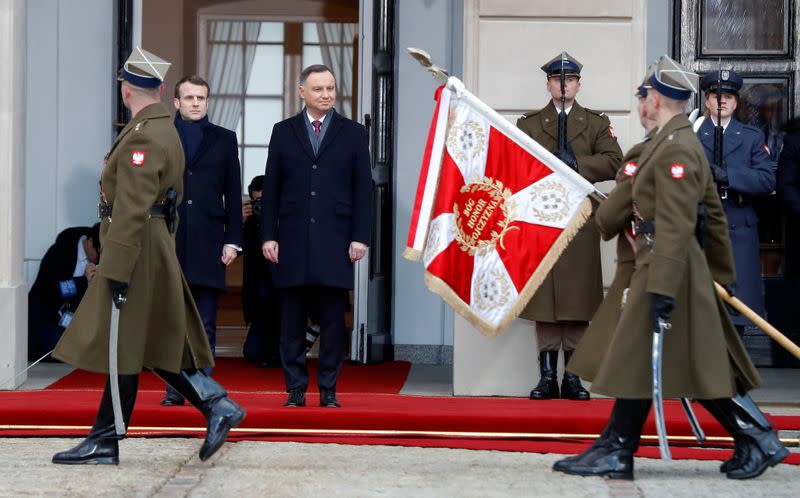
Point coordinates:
[[205, 394], [612, 454], [759, 446], [101, 446], [716, 411]]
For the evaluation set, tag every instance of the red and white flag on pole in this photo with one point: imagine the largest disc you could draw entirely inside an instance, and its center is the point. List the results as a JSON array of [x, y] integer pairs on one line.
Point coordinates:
[[493, 212]]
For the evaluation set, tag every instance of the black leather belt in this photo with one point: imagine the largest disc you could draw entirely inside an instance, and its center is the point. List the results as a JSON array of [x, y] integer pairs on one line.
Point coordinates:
[[104, 210]]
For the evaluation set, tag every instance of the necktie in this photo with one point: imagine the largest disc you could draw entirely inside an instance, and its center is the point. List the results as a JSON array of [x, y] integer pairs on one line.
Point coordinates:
[[317, 127]]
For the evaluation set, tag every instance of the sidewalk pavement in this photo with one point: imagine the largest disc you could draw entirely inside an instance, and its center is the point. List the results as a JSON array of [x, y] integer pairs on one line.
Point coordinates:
[[169, 467]]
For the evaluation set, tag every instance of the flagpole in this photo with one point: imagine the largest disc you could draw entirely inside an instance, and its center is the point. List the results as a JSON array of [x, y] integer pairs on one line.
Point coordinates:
[[523, 140]]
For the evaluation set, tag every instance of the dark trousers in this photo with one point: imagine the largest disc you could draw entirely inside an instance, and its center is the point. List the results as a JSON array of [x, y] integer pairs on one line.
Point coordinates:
[[296, 304], [206, 300]]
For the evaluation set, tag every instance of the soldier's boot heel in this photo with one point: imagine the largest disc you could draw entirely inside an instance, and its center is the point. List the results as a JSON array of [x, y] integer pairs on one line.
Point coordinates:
[[204, 393], [547, 388], [101, 446], [762, 448], [735, 461]]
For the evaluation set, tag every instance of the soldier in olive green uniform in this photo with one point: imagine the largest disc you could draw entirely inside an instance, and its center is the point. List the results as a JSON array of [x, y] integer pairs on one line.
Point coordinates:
[[703, 357], [572, 291], [613, 217], [159, 327]]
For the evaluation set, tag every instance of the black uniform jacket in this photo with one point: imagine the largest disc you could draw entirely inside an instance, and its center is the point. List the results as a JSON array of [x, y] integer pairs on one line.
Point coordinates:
[[211, 213], [316, 205]]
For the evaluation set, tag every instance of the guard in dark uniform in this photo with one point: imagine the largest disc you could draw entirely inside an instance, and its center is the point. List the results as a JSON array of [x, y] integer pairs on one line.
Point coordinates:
[[572, 291], [746, 172], [159, 327], [703, 357]]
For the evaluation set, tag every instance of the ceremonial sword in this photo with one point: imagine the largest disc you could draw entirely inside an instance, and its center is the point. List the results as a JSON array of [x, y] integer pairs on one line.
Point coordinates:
[[117, 300]]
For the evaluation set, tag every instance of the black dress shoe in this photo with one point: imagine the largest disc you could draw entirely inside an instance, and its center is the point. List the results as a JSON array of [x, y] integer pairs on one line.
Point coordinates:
[[327, 399], [571, 388], [224, 415], [90, 452], [296, 398]]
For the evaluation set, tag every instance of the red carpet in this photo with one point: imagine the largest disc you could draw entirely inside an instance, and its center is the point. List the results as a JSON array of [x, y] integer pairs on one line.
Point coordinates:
[[373, 413], [238, 375]]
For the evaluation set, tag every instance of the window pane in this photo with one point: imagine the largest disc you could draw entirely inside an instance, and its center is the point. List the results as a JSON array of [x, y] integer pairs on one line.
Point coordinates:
[[224, 111], [744, 27], [225, 69], [260, 115], [310, 34], [225, 30], [255, 159], [312, 54], [266, 75], [271, 32]]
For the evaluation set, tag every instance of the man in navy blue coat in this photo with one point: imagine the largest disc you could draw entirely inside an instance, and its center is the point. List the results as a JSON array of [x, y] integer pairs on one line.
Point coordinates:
[[747, 172], [315, 224], [64, 274], [210, 229]]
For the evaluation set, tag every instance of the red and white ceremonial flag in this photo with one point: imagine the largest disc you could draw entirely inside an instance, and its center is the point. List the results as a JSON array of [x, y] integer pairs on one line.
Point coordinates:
[[493, 212]]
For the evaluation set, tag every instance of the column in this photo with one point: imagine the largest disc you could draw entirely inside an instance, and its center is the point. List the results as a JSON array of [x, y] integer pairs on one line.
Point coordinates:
[[13, 297]]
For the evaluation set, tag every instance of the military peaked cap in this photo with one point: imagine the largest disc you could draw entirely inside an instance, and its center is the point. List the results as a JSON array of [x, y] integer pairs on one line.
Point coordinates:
[[727, 80], [563, 62]]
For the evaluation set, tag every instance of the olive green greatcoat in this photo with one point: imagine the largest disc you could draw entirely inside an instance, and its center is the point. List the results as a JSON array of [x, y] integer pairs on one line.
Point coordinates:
[[574, 287], [616, 208], [703, 356], [159, 325]]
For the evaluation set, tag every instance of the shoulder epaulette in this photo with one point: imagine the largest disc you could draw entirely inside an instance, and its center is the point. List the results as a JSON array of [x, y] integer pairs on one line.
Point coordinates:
[[531, 113], [140, 125], [596, 113]]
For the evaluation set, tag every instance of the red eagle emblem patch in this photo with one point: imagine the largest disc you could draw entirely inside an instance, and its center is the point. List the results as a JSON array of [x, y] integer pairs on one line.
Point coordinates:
[[611, 132], [630, 168], [137, 157], [677, 171]]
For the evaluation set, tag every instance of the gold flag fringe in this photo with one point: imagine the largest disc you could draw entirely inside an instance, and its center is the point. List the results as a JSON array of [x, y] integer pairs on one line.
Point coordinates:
[[438, 286]]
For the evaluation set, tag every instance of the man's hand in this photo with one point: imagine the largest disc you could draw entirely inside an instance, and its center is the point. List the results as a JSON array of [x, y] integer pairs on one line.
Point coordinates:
[[91, 270], [228, 254], [270, 250], [720, 174], [357, 251], [661, 307], [119, 292], [247, 209]]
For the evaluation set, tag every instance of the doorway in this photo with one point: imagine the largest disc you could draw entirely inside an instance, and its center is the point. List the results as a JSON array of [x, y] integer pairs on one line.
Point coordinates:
[[758, 38]]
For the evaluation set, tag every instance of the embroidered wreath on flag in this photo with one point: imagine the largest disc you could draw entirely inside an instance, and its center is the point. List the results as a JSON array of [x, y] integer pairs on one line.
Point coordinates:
[[547, 201], [482, 215], [492, 291], [467, 140]]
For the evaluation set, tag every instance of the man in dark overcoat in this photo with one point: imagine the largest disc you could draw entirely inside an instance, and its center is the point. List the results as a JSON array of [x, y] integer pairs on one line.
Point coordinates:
[[746, 173], [64, 274], [158, 324], [703, 357], [572, 291], [210, 233], [315, 224]]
